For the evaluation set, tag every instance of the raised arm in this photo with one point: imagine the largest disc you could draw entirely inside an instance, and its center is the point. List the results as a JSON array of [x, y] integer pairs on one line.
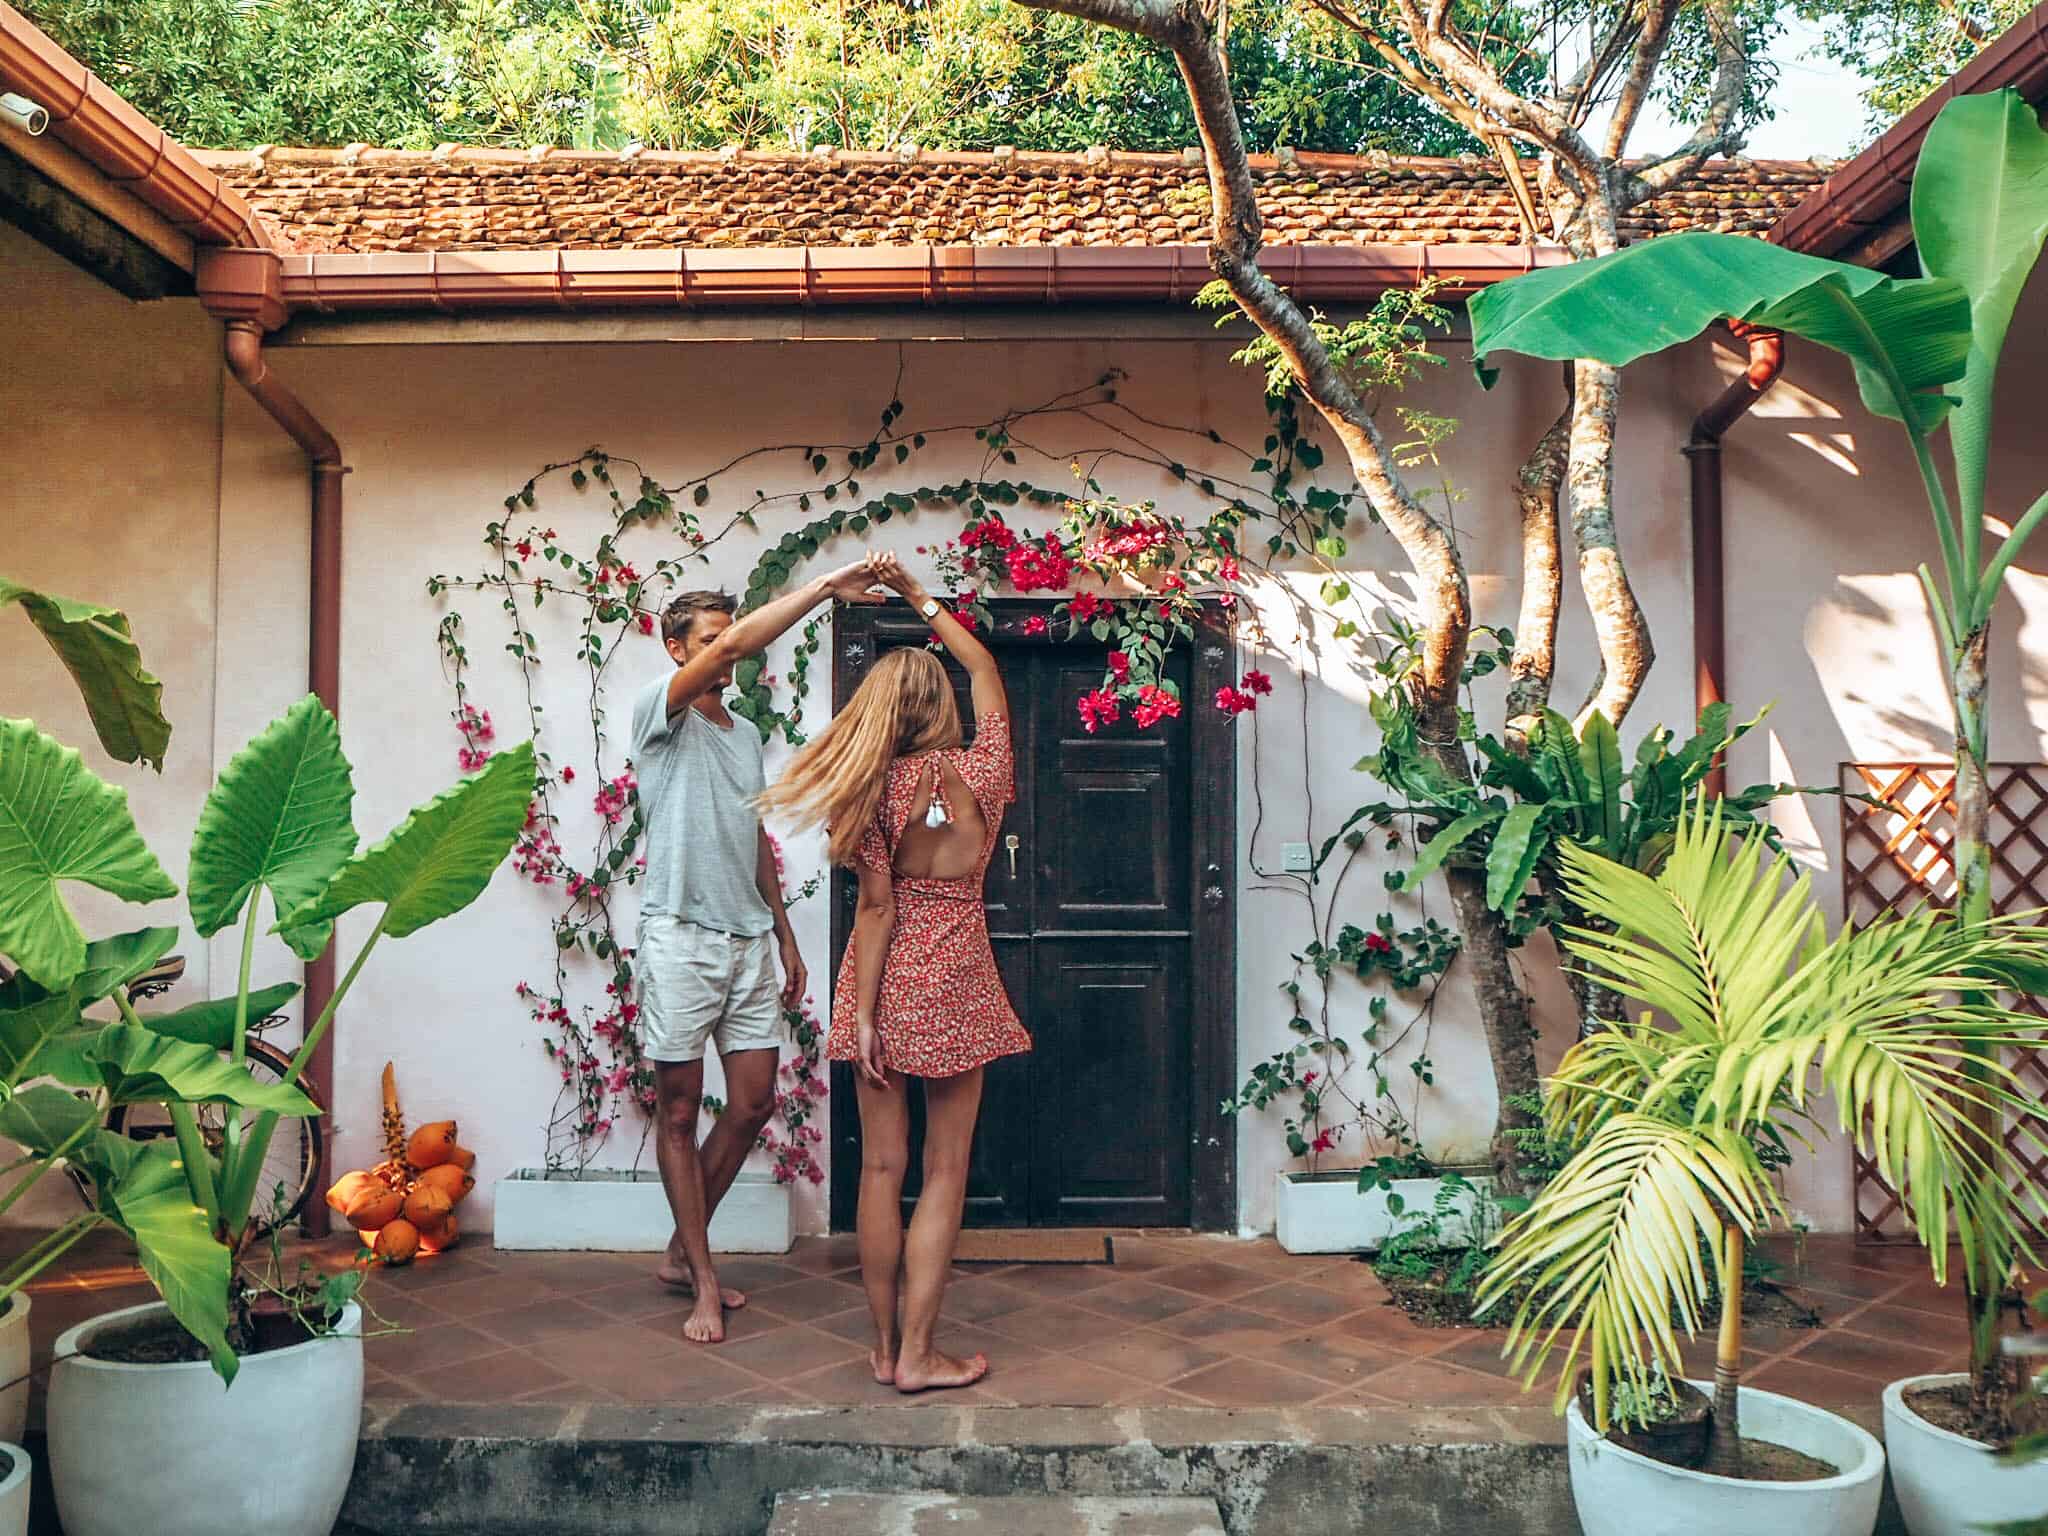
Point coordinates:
[[984, 677], [758, 630]]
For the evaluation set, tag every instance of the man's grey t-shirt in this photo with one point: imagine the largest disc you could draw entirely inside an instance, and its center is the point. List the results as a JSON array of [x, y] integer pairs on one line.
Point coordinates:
[[697, 789]]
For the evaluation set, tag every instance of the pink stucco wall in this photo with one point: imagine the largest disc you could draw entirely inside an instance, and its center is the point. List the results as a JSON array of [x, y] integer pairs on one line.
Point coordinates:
[[1824, 531]]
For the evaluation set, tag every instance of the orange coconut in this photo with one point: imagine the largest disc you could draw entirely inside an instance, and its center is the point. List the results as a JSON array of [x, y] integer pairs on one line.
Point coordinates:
[[427, 1205], [374, 1207], [398, 1241], [452, 1179], [431, 1144], [345, 1190]]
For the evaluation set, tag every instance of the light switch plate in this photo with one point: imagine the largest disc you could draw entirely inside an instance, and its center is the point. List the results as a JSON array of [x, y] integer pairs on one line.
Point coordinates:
[[1297, 858]]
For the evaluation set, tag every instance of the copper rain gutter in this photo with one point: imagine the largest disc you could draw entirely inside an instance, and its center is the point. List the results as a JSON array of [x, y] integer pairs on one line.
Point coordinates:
[[1703, 455]]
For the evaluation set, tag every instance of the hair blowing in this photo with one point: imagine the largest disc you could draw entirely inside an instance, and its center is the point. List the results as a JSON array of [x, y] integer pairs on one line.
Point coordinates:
[[904, 706]]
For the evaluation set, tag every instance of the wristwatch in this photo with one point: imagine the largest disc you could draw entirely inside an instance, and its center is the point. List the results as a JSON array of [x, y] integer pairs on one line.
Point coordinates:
[[928, 609]]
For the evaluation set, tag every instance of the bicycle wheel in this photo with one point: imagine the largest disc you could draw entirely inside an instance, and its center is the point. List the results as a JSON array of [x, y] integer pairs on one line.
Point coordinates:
[[289, 1168]]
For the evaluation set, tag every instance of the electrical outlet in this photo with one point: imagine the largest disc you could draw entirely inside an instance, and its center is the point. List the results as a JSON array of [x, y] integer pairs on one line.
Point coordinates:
[[1297, 858]]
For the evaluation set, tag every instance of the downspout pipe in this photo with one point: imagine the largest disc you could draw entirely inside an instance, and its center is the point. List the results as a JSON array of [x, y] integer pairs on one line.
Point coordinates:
[[1709, 587], [243, 349]]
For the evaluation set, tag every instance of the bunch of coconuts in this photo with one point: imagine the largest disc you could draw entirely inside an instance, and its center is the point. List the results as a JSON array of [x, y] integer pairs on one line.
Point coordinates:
[[405, 1206]]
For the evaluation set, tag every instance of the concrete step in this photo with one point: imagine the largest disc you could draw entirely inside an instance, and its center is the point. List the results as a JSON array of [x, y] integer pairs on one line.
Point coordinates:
[[949, 1514]]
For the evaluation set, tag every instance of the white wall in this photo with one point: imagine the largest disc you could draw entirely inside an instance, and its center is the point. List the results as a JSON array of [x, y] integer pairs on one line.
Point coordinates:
[[138, 485]]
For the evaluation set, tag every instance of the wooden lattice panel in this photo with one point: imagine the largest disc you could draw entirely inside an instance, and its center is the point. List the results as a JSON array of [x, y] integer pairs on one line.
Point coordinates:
[[1898, 854]]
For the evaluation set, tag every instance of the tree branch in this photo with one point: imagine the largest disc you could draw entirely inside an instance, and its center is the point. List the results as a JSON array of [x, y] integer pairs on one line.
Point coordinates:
[[1716, 134], [1618, 623], [1651, 42]]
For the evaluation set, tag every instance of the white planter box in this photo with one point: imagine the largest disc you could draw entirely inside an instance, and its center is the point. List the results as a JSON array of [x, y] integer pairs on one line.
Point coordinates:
[[1620, 1493], [1325, 1213], [620, 1211]]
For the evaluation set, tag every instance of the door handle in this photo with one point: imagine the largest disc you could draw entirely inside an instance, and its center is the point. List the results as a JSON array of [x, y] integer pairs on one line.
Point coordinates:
[[1011, 844]]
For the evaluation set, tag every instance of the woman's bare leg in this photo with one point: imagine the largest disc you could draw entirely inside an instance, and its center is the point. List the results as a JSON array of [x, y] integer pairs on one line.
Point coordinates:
[[950, 1107], [884, 1158]]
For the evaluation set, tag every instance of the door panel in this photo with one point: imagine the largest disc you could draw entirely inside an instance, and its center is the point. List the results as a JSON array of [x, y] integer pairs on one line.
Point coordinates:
[[1094, 937], [1111, 1144]]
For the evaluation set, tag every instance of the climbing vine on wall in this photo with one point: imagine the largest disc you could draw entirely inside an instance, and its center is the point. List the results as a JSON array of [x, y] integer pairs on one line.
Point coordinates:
[[1146, 574]]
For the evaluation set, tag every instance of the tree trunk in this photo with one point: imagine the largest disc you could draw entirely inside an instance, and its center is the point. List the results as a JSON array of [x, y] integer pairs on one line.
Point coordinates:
[[1724, 1443], [1599, 1007], [1618, 623], [1534, 661], [1995, 1379]]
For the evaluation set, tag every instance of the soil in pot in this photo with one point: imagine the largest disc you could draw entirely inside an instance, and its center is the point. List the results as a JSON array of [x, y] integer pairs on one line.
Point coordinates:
[[1684, 1438], [1435, 1287], [1948, 1407], [265, 1323]]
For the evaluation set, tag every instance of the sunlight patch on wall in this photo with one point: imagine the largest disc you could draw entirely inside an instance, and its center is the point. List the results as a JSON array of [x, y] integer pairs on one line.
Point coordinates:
[[1875, 657], [1785, 401], [1793, 816]]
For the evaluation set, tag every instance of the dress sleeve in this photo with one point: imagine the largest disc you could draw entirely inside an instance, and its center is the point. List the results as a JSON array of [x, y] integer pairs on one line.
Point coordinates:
[[987, 767]]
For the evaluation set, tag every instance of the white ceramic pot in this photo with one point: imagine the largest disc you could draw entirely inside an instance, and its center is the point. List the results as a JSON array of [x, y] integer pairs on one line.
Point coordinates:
[[1325, 1213], [1619, 1493], [1948, 1484], [14, 1353], [14, 1491], [168, 1450]]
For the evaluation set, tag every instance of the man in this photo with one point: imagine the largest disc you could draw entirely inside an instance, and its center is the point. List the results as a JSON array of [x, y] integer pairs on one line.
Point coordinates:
[[711, 916]]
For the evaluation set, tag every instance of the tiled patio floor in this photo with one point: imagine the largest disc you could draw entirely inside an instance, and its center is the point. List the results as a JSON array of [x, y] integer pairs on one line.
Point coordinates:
[[1178, 1320]]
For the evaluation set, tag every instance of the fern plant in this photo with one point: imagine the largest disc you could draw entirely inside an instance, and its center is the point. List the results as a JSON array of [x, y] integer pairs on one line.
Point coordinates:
[[1747, 1002]]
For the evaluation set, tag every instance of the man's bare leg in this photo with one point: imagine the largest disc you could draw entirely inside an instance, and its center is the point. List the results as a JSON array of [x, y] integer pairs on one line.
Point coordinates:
[[679, 1098], [884, 1159], [950, 1107], [749, 1101]]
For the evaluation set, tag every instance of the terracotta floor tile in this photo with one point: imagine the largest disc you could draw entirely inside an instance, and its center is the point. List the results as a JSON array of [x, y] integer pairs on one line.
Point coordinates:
[[1905, 1325], [1139, 1255], [1880, 1360], [1229, 1328], [1056, 1326], [1062, 1381], [752, 1272], [812, 1296], [1251, 1383], [853, 1324], [789, 1351], [457, 1264], [1151, 1356], [1816, 1384], [1059, 1282], [777, 1392], [493, 1378], [1213, 1281], [642, 1367], [1431, 1383], [487, 1293], [823, 1255], [382, 1384], [1391, 1328], [961, 1340], [571, 1392], [746, 1322], [1477, 1349], [1329, 1356], [852, 1382], [399, 1309], [978, 1300], [1851, 1280], [1140, 1301], [574, 1273], [539, 1319], [429, 1349], [638, 1299], [1295, 1302]]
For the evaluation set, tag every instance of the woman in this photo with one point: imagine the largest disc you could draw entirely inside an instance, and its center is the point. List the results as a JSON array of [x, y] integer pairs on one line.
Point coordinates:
[[916, 815]]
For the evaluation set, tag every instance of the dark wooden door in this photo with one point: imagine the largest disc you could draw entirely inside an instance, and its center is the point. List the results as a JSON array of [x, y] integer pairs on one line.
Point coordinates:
[[1108, 933]]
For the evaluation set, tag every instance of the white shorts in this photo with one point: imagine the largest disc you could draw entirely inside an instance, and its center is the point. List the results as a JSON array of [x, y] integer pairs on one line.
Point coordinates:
[[697, 984]]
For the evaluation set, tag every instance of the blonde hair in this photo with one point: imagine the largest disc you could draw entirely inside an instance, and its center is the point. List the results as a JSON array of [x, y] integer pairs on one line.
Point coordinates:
[[904, 706]]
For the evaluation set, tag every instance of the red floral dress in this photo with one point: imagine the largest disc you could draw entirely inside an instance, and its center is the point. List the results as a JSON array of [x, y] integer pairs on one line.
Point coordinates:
[[941, 1009]]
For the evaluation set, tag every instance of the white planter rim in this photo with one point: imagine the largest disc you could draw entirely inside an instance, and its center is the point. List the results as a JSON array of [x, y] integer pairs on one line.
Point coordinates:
[[20, 1470], [15, 1310], [67, 1351], [1895, 1397], [1872, 1457]]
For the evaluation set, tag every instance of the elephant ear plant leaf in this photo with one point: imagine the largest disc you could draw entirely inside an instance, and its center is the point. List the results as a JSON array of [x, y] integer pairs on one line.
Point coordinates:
[[123, 699], [59, 823], [1920, 346], [1744, 1000]]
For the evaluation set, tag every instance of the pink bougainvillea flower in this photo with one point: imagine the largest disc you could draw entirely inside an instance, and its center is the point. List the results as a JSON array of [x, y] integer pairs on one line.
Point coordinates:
[[646, 623], [1227, 570], [1258, 682], [1098, 709], [525, 549], [1036, 625], [1233, 701], [965, 616], [1120, 666], [1087, 607], [1154, 704], [568, 775], [1379, 943]]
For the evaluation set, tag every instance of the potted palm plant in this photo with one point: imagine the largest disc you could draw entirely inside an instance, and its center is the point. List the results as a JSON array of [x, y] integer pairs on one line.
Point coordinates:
[[1926, 353], [1646, 1227]]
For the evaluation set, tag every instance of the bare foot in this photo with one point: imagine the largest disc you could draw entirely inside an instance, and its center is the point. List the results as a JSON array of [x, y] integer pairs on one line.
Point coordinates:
[[884, 1367], [706, 1322], [673, 1275], [938, 1371]]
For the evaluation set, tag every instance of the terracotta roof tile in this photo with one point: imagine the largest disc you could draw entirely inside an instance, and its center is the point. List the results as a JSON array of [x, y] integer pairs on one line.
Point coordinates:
[[453, 198]]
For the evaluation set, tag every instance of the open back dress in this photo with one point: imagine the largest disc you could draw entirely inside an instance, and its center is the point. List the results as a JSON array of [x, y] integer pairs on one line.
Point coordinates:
[[942, 1009]]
